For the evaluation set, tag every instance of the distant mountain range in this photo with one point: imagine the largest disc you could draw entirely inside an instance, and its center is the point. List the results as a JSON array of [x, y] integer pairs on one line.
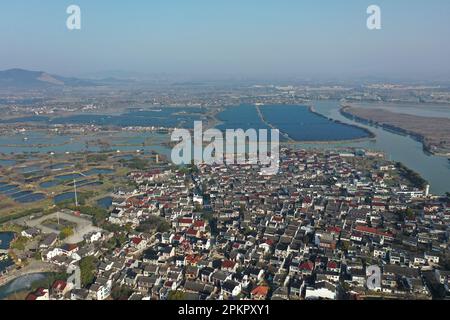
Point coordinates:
[[26, 79]]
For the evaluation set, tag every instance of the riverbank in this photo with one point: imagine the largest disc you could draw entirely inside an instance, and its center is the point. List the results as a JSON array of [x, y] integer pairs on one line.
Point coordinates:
[[396, 147], [18, 288], [430, 132], [16, 296], [370, 134], [34, 267]]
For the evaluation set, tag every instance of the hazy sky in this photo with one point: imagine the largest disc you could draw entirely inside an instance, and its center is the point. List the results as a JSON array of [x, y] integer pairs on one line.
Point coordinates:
[[234, 37]]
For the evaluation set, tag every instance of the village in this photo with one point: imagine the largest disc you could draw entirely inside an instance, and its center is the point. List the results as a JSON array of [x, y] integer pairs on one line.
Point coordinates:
[[226, 232]]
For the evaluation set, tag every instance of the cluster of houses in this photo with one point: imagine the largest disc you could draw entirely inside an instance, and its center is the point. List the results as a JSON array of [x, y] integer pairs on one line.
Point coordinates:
[[225, 232]]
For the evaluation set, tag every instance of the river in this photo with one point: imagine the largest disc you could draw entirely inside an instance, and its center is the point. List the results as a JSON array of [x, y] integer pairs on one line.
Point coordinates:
[[5, 241], [435, 169], [20, 284]]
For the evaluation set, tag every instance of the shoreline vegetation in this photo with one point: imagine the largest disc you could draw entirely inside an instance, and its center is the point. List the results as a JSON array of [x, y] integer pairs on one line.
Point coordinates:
[[393, 122], [370, 134], [413, 177]]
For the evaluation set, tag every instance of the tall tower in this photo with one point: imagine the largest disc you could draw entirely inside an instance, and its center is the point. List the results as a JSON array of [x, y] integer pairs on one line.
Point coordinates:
[[75, 189]]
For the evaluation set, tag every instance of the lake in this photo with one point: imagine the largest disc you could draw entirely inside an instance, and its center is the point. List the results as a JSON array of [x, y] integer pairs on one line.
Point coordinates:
[[5, 242], [300, 124], [29, 169], [33, 197], [7, 163], [97, 171], [49, 184], [165, 117], [11, 189], [105, 203], [43, 142], [6, 187], [14, 192], [64, 196], [59, 166], [70, 176], [240, 117], [297, 122]]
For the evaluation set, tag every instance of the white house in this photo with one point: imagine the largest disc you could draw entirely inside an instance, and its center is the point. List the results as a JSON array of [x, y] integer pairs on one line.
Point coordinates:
[[322, 290], [431, 258], [198, 199], [30, 233], [56, 252], [93, 237], [100, 292]]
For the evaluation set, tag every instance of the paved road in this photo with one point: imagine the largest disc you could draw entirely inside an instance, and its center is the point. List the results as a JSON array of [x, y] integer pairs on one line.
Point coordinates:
[[84, 226]]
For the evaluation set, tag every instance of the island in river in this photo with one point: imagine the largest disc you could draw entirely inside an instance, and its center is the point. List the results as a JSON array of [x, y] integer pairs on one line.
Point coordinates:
[[434, 133]]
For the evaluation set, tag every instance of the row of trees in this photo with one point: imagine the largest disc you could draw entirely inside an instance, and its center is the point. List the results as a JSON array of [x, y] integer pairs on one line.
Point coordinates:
[[154, 223], [412, 176]]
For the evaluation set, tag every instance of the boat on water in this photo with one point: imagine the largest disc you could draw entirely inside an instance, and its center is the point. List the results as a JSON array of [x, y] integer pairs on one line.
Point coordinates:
[[4, 257]]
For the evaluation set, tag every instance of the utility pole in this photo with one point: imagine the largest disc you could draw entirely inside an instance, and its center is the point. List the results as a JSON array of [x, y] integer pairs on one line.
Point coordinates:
[[76, 197]]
